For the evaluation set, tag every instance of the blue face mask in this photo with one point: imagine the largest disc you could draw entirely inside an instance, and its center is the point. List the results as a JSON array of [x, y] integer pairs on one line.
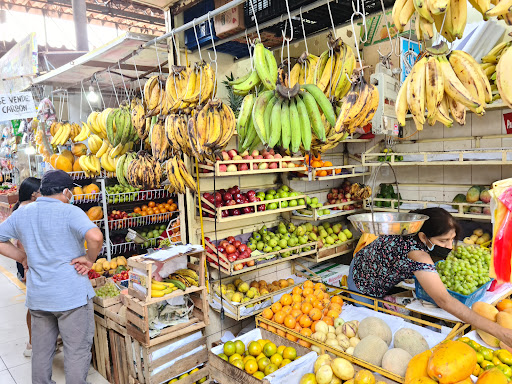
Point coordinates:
[[70, 201]]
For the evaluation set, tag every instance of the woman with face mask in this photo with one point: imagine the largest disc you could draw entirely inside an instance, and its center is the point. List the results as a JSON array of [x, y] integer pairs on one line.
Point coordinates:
[[387, 260]]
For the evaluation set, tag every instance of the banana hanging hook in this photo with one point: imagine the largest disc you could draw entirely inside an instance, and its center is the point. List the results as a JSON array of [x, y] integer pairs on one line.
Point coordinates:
[[386, 59], [113, 86], [332, 20], [255, 20], [214, 60], [197, 40]]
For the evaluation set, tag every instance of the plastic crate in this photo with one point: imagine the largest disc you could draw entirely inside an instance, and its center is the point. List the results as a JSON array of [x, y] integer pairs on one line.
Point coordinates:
[[268, 9], [467, 300], [203, 29], [233, 48]]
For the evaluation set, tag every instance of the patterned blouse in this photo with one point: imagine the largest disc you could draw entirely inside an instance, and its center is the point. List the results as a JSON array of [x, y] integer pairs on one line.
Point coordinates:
[[382, 264]]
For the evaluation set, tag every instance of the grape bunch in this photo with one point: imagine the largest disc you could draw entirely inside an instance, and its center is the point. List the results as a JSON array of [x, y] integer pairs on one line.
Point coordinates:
[[108, 290], [465, 269]]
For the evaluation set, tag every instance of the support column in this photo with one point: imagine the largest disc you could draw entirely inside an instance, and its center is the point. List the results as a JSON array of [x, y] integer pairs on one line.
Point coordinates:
[[80, 20]]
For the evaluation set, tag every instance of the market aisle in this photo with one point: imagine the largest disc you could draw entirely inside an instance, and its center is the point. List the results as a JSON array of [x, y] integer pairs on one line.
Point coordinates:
[[14, 367]]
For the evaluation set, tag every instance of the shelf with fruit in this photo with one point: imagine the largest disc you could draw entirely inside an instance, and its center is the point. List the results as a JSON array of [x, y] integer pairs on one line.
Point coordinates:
[[118, 193], [318, 169], [232, 163], [232, 204], [122, 220], [242, 299]]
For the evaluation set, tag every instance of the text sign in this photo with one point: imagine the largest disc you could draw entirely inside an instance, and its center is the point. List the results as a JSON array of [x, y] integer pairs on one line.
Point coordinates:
[[17, 106], [507, 117]]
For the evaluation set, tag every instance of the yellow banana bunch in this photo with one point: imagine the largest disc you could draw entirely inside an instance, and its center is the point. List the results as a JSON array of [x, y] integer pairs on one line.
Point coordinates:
[[62, 135], [490, 64], [159, 143], [303, 71], [139, 120], [440, 85], [178, 175], [143, 171], [94, 143], [90, 165], [176, 131], [108, 162], [83, 134], [503, 78]]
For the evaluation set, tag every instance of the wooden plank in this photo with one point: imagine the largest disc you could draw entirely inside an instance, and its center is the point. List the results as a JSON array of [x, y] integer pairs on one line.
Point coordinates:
[[180, 352], [138, 362], [184, 331]]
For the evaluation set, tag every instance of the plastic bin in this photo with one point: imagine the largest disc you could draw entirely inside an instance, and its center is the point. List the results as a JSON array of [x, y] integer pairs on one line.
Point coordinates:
[[467, 300], [203, 29], [268, 9]]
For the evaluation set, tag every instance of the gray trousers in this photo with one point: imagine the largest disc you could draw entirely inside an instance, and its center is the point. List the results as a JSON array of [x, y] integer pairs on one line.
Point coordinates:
[[76, 328]]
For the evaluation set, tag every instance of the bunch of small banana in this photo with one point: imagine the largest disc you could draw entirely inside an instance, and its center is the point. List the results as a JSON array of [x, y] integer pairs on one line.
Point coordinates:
[[122, 167], [439, 86], [176, 131], [265, 72], [119, 127], [333, 72], [144, 171], [210, 128], [187, 276], [84, 133], [90, 164], [502, 9], [432, 12], [160, 147], [178, 176], [108, 160], [359, 106], [139, 120], [97, 122], [304, 70], [360, 192], [503, 79], [154, 97], [62, 134], [490, 65], [334, 135]]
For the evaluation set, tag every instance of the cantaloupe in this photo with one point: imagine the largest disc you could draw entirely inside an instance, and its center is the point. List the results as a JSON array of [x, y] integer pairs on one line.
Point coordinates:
[[395, 360], [410, 340], [64, 164], [371, 349], [68, 155], [375, 326]]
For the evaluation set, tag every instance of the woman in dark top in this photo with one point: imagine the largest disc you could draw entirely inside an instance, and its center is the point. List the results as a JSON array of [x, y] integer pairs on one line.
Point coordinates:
[[28, 193], [388, 260]]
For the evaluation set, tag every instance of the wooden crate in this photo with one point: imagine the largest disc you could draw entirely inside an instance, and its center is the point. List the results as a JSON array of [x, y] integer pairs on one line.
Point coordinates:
[[214, 169], [225, 373], [233, 268], [141, 271], [143, 365], [98, 282], [327, 253], [137, 319], [105, 301], [348, 296]]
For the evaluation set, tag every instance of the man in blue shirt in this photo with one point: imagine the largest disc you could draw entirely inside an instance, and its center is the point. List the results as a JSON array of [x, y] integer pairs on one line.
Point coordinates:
[[59, 294]]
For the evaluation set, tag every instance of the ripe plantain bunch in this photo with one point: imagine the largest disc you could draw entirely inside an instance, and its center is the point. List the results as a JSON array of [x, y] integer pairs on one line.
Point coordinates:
[[176, 131], [178, 176], [490, 64], [334, 69], [360, 192], [303, 72], [359, 106], [210, 128], [144, 171], [441, 84], [264, 72], [159, 144]]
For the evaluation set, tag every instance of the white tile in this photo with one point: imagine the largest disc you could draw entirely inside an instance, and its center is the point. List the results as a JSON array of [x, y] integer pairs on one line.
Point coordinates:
[[6, 378], [489, 143], [12, 322], [431, 174], [458, 130], [457, 174], [506, 171], [429, 147], [489, 124], [2, 365], [457, 145], [481, 174], [11, 352]]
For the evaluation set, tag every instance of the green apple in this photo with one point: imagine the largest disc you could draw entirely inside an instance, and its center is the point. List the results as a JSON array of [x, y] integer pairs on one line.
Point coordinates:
[[292, 203], [272, 206], [256, 236], [269, 196], [293, 194], [267, 249], [347, 232], [329, 240], [271, 191], [314, 200], [308, 200], [277, 248], [260, 245], [302, 202], [330, 231], [284, 204], [261, 195], [285, 188], [282, 195], [342, 236]]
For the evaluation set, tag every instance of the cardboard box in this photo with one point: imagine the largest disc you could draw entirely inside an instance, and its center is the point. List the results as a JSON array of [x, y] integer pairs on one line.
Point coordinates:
[[230, 22]]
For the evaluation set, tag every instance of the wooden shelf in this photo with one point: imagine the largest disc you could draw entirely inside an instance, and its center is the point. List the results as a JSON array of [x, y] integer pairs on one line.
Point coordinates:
[[327, 253], [317, 217], [214, 169], [331, 173]]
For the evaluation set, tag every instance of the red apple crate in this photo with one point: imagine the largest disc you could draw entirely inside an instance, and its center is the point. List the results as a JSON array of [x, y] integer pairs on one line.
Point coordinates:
[[218, 211], [214, 169], [230, 268]]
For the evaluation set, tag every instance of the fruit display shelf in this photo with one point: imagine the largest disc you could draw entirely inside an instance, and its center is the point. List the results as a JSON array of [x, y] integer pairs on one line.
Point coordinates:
[[454, 157], [222, 213], [143, 195], [251, 167], [131, 222], [332, 251], [87, 198], [317, 216], [218, 261], [456, 209], [99, 223], [333, 173]]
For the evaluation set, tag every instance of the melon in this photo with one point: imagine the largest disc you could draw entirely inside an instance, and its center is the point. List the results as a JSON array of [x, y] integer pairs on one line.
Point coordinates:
[[375, 326], [371, 349], [395, 360], [410, 340]]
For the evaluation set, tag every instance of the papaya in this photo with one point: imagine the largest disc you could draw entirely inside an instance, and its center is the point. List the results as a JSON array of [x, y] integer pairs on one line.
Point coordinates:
[[91, 189], [95, 213], [64, 164], [417, 366], [77, 167], [486, 310], [504, 319], [466, 381], [492, 376], [78, 193], [68, 155], [53, 160], [79, 149], [451, 362], [421, 380]]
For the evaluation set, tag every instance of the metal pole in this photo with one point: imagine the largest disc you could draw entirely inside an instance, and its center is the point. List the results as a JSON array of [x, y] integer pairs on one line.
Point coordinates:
[[80, 20]]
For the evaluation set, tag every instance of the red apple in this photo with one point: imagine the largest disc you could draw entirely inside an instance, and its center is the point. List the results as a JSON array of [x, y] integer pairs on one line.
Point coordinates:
[[237, 243], [255, 153], [243, 167], [258, 157], [246, 210], [225, 156], [264, 153], [230, 202], [227, 196], [221, 249], [261, 207], [230, 249], [222, 168], [231, 258], [218, 197], [244, 153], [272, 166], [238, 267], [269, 156], [236, 189], [272, 152], [232, 153], [223, 214], [278, 156], [252, 199], [330, 196], [250, 263], [242, 248], [235, 212], [254, 166], [248, 157]]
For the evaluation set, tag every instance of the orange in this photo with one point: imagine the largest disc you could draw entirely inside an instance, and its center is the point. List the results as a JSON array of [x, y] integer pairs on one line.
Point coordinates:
[[335, 306], [170, 201], [296, 298], [295, 312], [137, 210], [251, 366], [286, 299], [267, 313], [308, 284], [317, 304], [281, 333], [269, 349], [276, 307], [289, 321], [167, 206], [327, 164], [305, 321], [328, 320], [332, 313], [272, 329], [254, 348], [290, 337], [315, 314], [317, 158], [321, 173], [337, 300], [289, 353], [279, 317], [297, 291], [287, 308], [297, 328], [504, 304], [151, 204], [310, 299], [297, 304], [305, 343], [150, 211], [263, 325], [307, 291], [326, 296], [313, 325], [173, 207], [306, 332], [319, 293], [316, 164], [306, 307], [144, 207]]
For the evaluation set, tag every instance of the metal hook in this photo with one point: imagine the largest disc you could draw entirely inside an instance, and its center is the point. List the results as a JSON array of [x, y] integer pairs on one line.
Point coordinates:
[[158, 59], [138, 78], [83, 90], [303, 30], [99, 91], [255, 20], [176, 49], [249, 46], [197, 40], [389, 35], [113, 86], [214, 53], [122, 78], [362, 14], [332, 20], [356, 42]]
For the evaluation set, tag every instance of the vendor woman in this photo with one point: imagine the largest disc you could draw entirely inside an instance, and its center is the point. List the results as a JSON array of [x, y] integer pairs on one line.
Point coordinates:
[[386, 261]]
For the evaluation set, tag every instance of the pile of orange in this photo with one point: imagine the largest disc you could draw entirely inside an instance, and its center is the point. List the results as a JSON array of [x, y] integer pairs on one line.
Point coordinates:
[[153, 208], [301, 309], [316, 162], [176, 234]]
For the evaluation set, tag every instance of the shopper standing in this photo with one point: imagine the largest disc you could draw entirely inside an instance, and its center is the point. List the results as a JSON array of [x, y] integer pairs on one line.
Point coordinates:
[[59, 294], [28, 193]]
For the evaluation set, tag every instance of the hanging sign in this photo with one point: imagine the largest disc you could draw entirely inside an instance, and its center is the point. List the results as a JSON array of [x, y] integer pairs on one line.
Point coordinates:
[[507, 118], [15, 106]]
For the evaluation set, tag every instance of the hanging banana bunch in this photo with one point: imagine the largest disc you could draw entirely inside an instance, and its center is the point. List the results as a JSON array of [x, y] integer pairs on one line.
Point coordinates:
[[155, 97], [490, 65], [176, 131], [333, 71], [304, 70], [159, 144], [144, 171], [440, 84], [178, 176]]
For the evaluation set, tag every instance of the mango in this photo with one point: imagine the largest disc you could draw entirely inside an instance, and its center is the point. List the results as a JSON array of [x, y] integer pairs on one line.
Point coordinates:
[[451, 362], [113, 264], [421, 380], [486, 310], [492, 376], [466, 381], [473, 194], [504, 319], [488, 338], [106, 265], [417, 366], [97, 267]]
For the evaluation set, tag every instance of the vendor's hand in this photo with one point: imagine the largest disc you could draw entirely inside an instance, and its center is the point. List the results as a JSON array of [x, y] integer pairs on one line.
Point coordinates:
[[82, 265]]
